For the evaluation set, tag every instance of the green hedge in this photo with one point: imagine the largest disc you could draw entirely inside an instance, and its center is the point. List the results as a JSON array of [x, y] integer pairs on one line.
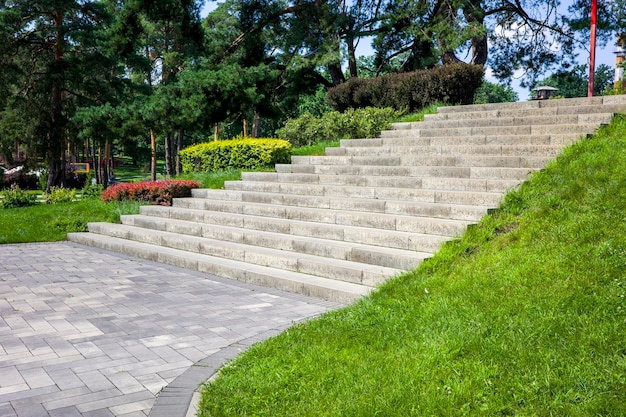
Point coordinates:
[[235, 154], [410, 92], [308, 130]]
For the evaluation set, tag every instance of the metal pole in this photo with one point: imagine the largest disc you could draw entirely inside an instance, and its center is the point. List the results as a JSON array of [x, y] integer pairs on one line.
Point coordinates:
[[592, 57]]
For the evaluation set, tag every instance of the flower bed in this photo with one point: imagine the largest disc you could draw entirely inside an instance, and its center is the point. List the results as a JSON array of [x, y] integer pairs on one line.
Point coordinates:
[[154, 192]]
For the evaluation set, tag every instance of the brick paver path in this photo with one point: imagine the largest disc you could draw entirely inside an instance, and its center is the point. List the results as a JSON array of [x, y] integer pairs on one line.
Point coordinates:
[[90, 333]]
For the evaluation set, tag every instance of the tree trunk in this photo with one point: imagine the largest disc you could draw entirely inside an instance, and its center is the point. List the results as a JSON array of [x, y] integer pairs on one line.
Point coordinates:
[[153, 156], [352, 67], [245, 127], [56, 163], [168, 154], [256, 125], [179, 147], [106, 163], [336, 74]]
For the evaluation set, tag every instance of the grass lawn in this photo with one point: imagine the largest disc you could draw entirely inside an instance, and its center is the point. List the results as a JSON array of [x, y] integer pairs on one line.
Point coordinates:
[[523, 315], [52, 222]]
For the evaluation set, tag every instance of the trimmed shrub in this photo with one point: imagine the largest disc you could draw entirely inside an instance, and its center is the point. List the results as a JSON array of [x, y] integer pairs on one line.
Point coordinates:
[[153, 192], [237, 153], [308, 130], [412, 91], [16, 197], [60, 195]]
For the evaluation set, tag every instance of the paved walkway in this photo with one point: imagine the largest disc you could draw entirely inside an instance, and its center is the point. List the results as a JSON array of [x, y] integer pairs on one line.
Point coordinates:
[[90, 333]]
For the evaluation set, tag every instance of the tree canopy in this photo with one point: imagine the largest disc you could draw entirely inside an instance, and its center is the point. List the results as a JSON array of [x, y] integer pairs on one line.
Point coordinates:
[[150, 74]]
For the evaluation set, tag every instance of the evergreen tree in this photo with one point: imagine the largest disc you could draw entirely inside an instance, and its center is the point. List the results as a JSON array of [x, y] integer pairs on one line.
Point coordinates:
[[54, 60]]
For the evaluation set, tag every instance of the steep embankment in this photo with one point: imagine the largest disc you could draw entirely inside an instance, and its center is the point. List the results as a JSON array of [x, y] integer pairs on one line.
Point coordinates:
[[523, 315]]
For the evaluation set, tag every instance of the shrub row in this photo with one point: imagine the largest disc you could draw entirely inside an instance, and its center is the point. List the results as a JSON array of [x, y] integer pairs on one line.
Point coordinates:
[[16, 197], [154, 192], [308, 130], [412, 91], [237, 153]]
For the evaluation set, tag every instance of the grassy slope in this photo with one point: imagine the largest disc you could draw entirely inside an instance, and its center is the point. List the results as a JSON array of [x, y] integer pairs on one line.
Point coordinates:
[[523, 315]]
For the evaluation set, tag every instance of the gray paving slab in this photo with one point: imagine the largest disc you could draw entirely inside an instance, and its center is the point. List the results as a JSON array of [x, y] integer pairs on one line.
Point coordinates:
[[85, 332]]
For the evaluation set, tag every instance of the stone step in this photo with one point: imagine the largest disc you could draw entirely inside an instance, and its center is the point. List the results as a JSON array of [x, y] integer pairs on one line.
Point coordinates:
[[335, 249], [338, 269], [528, 112], [535, 104], [564, 119], [375, 200], [579, 129], [376, 220], [430, 161], [367, 175], [306, 284], [469, 150], [342, 188], [351, 234], [380, 176], [563, 139]]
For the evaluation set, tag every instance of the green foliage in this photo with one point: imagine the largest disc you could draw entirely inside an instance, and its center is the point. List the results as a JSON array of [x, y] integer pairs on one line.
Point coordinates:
[[16, 197], [213, 180], [494, 93], [308, 130], [615, 89], [523, 315], [419, 116], [454, 84], [60, 195], [575, 82], [238, 153]]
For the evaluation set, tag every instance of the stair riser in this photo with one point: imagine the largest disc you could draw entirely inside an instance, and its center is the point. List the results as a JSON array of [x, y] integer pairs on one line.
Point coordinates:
[[540, 112], [384, 199], [362, 175], [431, 161], [345, 189], [486, 150], [581, 129], [576, 102], [573, 119], [476, 140]]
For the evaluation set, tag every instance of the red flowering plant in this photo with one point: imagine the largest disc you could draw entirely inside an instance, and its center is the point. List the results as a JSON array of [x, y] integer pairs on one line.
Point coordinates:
[[153, 192]]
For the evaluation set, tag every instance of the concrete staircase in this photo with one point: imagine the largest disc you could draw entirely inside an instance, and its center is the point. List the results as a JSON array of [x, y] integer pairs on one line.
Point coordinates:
[[336, 226]]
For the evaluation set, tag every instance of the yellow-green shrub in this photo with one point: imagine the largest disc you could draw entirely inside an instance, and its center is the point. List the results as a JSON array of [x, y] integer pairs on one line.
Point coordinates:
[[239, 153]]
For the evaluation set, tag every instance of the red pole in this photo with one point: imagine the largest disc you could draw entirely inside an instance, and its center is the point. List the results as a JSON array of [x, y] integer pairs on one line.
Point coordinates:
[[592, 57]]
